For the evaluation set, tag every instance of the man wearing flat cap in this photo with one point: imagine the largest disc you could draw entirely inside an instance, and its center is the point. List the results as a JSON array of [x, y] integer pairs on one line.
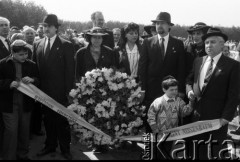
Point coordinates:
[[215, 90], [162, 55], [55, 59]]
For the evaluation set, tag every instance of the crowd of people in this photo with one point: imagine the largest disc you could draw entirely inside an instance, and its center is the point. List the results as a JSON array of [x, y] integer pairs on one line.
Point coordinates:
[[182, 80]]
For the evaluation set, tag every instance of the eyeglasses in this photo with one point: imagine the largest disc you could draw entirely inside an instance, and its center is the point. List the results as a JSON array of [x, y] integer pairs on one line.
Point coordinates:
[[4, 25]]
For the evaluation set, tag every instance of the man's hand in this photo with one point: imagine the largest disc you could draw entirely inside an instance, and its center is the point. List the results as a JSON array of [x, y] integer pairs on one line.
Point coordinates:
[[27, 80], [191, 96], [223, 122], [14, 84]]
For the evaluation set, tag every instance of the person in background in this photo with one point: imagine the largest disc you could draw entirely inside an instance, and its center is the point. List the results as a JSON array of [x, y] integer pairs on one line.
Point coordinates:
[[226, 50], [130, 50], [29, 35], [97, 19], [197, 48], [15, 107], [151, 30], [13, 30], [116, 36], [39, 33], [16, 36]]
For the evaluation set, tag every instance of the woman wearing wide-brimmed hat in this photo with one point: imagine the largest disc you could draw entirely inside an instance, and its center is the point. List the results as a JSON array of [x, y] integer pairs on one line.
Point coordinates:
[[150, 30], [197, 48], [95, 54]]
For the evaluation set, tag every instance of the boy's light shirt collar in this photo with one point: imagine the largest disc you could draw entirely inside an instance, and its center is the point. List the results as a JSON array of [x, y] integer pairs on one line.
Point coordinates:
[[167, 98]]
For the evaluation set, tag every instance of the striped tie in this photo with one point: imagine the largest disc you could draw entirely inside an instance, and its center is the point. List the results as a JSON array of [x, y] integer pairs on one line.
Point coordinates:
[[208, 75]]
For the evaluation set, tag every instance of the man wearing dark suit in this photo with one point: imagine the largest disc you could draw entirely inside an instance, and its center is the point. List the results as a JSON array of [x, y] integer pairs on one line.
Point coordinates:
[[162, 55], [4, 52], [98, 21], [4, 42], [55, 59], [214, 86]]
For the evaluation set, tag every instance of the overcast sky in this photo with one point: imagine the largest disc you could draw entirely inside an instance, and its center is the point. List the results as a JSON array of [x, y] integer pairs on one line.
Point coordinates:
[[183, 12]]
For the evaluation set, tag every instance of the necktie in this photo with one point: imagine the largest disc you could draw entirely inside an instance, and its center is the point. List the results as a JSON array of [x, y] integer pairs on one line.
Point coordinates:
[[47, 51], [6, 40], [162, 47], [208, 75]]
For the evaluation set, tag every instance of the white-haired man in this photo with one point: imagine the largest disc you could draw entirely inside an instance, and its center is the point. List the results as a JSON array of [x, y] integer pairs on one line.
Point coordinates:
[[4, 52]]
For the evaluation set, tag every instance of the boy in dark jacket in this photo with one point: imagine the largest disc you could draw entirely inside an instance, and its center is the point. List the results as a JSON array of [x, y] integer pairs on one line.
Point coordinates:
[[15, 107]]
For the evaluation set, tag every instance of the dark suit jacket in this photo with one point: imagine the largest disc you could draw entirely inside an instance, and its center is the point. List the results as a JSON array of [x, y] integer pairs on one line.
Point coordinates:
[[153, 68], [4, 52], [56, 71], [85, 61], [221, 95], [218, 100], [7, 76]]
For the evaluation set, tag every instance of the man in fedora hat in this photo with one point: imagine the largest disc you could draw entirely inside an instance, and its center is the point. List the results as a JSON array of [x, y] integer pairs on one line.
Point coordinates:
[[55, 59], [162, 55], [214, 88]]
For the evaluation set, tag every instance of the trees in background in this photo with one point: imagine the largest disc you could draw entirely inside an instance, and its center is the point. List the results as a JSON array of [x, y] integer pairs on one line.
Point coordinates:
[[28, 13], [22, 13]]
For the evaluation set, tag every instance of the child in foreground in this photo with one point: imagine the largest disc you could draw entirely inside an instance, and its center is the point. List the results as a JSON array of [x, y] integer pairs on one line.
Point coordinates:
[[164, 112]]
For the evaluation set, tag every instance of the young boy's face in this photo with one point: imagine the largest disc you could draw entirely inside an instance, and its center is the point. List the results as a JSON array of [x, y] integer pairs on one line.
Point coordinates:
[[171, 92], [20, 56]]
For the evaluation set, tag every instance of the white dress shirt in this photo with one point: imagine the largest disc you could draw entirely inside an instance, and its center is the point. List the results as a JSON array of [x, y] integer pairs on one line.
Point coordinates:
[[133, 57], [166, 38], [51, 42], [205, 67], [4, 42]]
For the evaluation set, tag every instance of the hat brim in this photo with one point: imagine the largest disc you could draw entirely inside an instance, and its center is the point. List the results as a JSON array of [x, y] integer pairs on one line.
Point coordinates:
[[204, 29], [49, 24], [145, 36], [225, 37], [148, 28], [154, 21], [97, 34]]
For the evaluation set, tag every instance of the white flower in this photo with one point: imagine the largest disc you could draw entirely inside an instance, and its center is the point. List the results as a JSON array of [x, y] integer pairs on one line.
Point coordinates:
[[73, 93], [105, 103], [100, 79], [120, 85], [116, 128], [90, 101], [123, 125]]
